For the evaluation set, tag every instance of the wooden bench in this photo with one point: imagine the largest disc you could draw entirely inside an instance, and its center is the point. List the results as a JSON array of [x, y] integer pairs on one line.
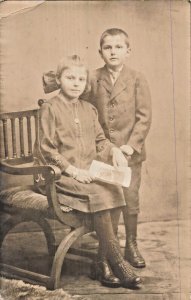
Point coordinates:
[[24, 203]]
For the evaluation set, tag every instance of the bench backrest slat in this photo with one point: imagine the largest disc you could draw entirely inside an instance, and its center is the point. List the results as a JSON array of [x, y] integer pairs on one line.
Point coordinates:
[[21, 134], [36, 125], [14, 141], [5, 135], [19, 130], [29, 135]]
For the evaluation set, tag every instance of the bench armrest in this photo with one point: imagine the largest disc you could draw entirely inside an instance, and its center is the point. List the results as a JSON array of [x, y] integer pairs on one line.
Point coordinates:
[[34, 170], [50, 175]]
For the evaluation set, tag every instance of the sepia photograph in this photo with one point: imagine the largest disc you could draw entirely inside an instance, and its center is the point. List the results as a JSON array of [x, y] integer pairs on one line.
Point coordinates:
[[95, 156]]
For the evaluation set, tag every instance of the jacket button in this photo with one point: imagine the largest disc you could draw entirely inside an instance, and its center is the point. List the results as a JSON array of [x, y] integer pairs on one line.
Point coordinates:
[[111, 130], [111, 119]]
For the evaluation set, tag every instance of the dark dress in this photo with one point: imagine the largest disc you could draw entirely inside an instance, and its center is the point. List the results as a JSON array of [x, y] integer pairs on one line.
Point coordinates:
[[71, 134]]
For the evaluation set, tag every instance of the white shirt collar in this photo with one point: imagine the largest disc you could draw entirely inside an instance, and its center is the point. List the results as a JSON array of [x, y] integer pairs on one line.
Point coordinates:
[[112, 71], [114, 74]]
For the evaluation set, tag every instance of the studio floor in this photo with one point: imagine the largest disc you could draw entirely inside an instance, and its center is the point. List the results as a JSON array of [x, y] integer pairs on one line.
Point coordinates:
[[164, 244]]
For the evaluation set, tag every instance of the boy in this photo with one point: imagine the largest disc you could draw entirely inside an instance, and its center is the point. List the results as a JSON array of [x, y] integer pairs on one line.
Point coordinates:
[[122, 98]]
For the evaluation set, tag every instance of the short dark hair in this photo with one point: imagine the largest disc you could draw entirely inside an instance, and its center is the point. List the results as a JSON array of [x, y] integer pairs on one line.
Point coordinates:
[[114, 31]]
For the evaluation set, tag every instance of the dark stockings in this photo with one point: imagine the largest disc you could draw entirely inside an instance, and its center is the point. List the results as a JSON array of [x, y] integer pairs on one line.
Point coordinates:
[[109, 248]]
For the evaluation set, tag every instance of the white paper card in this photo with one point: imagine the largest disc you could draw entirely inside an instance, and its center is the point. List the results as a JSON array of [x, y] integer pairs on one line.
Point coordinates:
[[107, 173]]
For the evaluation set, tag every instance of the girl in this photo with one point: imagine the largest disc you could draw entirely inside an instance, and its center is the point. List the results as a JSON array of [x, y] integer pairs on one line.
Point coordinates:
[[70, 138]]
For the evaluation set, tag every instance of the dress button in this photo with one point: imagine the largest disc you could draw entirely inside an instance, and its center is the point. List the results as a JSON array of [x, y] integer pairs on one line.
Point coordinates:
[[111, 119], [111, 130]]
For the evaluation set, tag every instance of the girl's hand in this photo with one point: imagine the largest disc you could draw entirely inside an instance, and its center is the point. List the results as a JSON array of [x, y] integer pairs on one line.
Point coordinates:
[[79, 174], [83, 176], [119, 159]]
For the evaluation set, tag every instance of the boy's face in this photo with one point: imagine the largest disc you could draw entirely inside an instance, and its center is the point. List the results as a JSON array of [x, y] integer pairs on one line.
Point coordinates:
[[73, 81], [114, 50]]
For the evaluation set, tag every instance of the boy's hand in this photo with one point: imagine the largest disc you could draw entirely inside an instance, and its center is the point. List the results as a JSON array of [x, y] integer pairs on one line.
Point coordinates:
[[119, 159], [128, 150]]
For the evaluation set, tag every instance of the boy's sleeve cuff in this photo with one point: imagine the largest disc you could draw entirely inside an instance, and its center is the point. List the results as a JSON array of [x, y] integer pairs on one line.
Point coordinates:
[[138, 149]]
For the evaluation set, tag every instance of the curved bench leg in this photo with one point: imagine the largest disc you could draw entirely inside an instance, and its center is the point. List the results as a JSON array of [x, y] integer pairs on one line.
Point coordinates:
[[12, 221], [49, 235], [9, 224], [60, 254]]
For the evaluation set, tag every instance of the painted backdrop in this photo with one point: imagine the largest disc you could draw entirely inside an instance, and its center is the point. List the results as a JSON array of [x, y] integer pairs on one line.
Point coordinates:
[[34, 39]]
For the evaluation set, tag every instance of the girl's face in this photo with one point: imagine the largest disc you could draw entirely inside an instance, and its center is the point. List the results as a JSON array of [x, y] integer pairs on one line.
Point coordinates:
[[73, 81]]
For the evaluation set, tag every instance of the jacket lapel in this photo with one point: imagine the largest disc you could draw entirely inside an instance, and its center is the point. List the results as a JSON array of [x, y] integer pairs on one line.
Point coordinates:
[[121, 82], [105, 80]]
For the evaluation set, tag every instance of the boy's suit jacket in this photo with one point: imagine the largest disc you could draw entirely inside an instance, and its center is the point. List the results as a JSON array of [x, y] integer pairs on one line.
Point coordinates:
[[124, 109]]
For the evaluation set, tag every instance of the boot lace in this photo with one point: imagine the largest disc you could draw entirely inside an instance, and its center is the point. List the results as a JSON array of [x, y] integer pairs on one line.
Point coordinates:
[[132, 246]]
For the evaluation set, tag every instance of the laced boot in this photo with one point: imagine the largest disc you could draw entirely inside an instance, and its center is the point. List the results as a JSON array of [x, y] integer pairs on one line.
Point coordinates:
[[101, 271], [132, 253], [122, 268]]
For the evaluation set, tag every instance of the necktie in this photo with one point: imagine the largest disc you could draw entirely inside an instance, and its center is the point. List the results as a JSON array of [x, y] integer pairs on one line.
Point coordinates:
[[114, 76]]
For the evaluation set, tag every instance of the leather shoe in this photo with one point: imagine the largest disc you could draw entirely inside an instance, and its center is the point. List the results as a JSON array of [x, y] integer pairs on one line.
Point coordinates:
[[102, 272], [128, 278], [122, 268]]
